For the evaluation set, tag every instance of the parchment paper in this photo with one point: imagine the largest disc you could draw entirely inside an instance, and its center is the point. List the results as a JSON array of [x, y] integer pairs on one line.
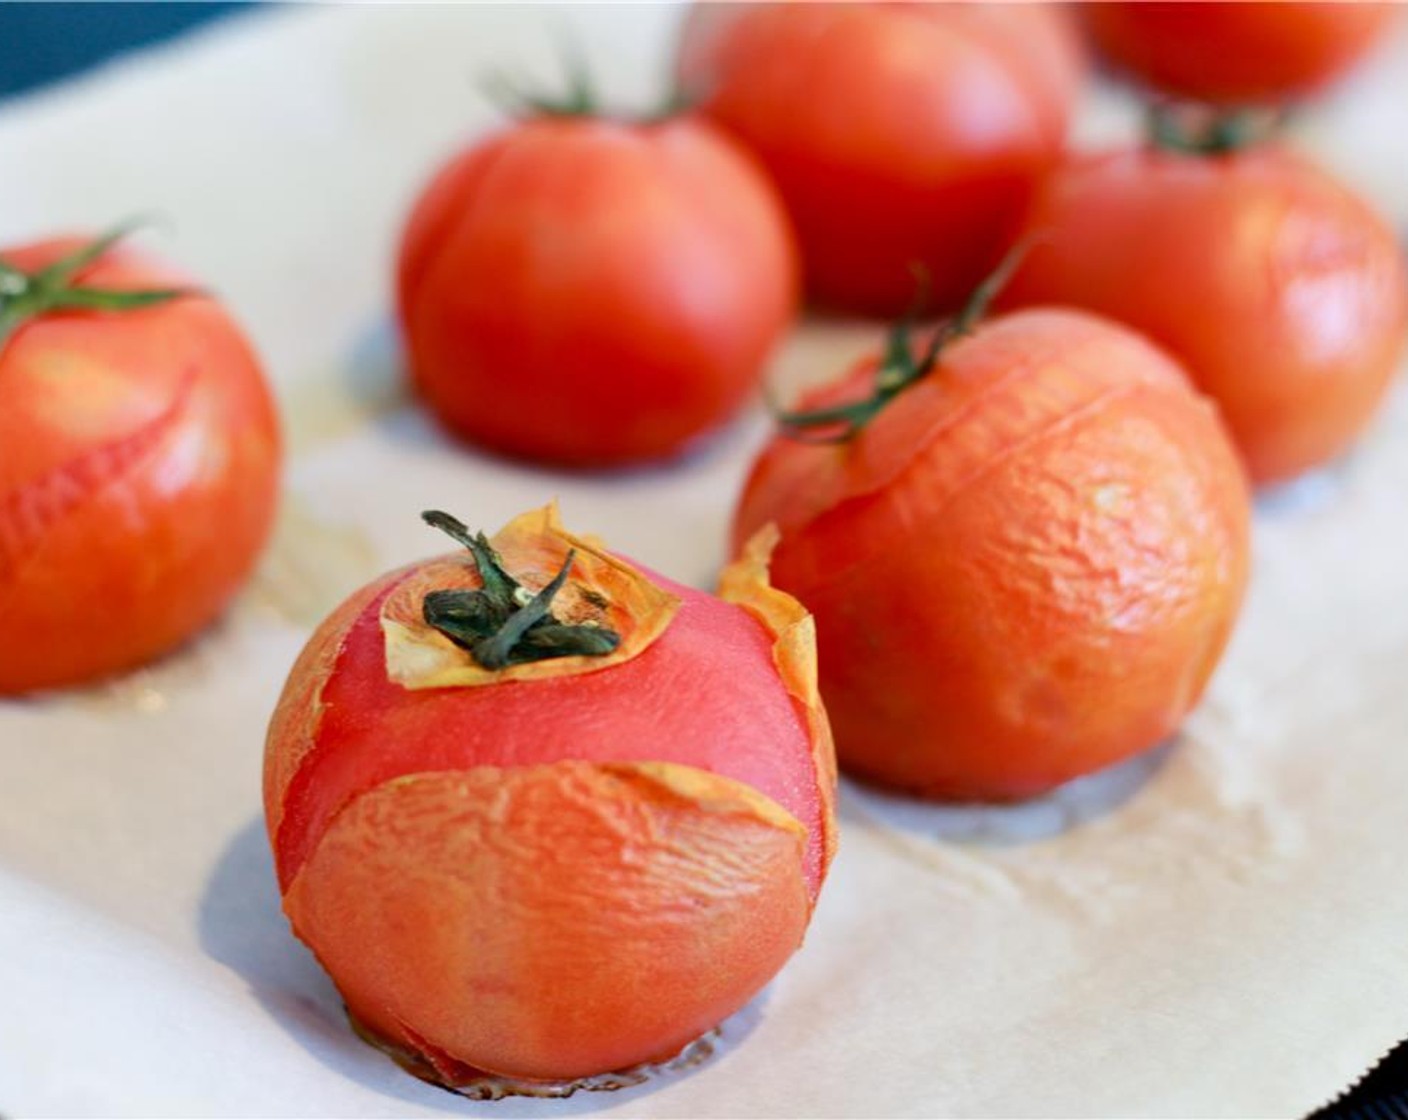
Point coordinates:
[[1218, 929]]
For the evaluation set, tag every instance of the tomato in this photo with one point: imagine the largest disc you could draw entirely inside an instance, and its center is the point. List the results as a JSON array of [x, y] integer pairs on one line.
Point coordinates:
[[898, 134], [1023, 564], [139, 460], [589, 292], [1236, 51], [566, 851], [1282, 293]]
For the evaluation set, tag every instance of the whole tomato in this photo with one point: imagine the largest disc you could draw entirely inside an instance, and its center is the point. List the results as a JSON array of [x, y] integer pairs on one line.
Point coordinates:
[[898, 134], [1234, 51], [544, 815], [592, 292], [1024, 557], [1281, 292], [139, 460]]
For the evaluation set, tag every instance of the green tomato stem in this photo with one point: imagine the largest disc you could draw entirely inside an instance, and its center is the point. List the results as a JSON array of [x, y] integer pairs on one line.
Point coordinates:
[[31, 295], [501, 623]]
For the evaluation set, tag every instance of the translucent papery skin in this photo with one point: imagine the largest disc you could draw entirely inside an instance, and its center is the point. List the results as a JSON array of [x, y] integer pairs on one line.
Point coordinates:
[[139, 460], [1281, 292], [562, 876], [1023, 569], [553, 921]]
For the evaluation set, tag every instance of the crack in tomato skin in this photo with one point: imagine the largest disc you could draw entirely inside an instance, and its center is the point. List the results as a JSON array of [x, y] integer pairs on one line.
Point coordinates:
[[30, 510]]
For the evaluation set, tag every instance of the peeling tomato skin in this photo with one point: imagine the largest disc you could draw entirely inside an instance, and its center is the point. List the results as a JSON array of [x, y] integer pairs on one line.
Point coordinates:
[[1283, 294], [139, 457], [1234, 51], [551, 877], [645, 920], [1025, 569], [594, 293], [689, 702], [897, 134], [293, 728]]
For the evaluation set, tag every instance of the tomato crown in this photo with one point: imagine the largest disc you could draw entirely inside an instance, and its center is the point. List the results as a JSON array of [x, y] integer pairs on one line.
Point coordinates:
[[503, 623], [580, 99], [899, 368], [29, 295], [1207, 130]]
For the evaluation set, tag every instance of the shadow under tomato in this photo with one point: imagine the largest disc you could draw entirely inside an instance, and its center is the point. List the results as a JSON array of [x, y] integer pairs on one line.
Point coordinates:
[[376, 381], [242, 926], [1314, 492], [1069, 806]]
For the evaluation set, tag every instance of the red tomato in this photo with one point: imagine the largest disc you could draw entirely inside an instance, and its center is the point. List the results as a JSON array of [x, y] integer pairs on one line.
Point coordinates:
[[587, 292], [1023, 568], [899, 134], [1281, 292], [1235, 51], [545, 866], [139, 460]]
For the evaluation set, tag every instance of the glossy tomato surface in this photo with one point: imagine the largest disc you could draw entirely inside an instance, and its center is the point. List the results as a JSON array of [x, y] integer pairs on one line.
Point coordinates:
[[1282, 293], [557, 870], [1023, 569], [588, 292], [1236, 51], [139, 459], [898, 134]]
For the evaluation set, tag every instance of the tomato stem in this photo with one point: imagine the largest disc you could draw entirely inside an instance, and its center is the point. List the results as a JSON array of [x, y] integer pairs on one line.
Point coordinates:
[[580, 99], [899, 368], [503, 623], [1206, 130], [30, 295]]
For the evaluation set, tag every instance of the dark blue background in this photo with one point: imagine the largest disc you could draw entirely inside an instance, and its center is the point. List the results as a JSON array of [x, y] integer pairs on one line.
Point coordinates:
[[43, 42]]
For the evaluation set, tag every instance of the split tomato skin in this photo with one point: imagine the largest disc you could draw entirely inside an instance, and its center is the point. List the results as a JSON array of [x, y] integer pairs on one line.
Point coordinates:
[[554, 877], [139, 461], [1235, 51], [592, 293], [1280, 291], [898, 134], [1024, 569]]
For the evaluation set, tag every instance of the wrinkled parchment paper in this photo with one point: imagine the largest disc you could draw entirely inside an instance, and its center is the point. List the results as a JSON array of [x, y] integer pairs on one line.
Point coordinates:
[[1219, 929]]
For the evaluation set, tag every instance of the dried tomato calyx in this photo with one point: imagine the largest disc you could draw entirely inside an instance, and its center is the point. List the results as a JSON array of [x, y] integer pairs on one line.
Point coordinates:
[[28, 295], [1206, 130], [899, 368], [503, 623]]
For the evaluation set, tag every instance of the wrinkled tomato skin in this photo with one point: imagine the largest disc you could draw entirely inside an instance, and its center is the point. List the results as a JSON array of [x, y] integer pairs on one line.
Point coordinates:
[[1280, 291], [1236, 51], [498, 878], [591, 293], [139, 460], [1022, 570], [899, 135]]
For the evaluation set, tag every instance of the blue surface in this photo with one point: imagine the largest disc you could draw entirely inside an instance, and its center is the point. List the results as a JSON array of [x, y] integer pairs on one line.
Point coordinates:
[[42, 42]]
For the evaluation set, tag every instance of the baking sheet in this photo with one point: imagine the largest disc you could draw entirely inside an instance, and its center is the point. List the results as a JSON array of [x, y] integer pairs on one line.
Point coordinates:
[[1218, 929]]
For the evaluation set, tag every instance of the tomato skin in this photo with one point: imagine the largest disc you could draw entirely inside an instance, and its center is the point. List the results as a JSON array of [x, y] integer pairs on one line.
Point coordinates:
[[1235, 51], [1281, 292], [1023, 569], [139, 460], [590, 293], [898, 134], [553, 878]]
